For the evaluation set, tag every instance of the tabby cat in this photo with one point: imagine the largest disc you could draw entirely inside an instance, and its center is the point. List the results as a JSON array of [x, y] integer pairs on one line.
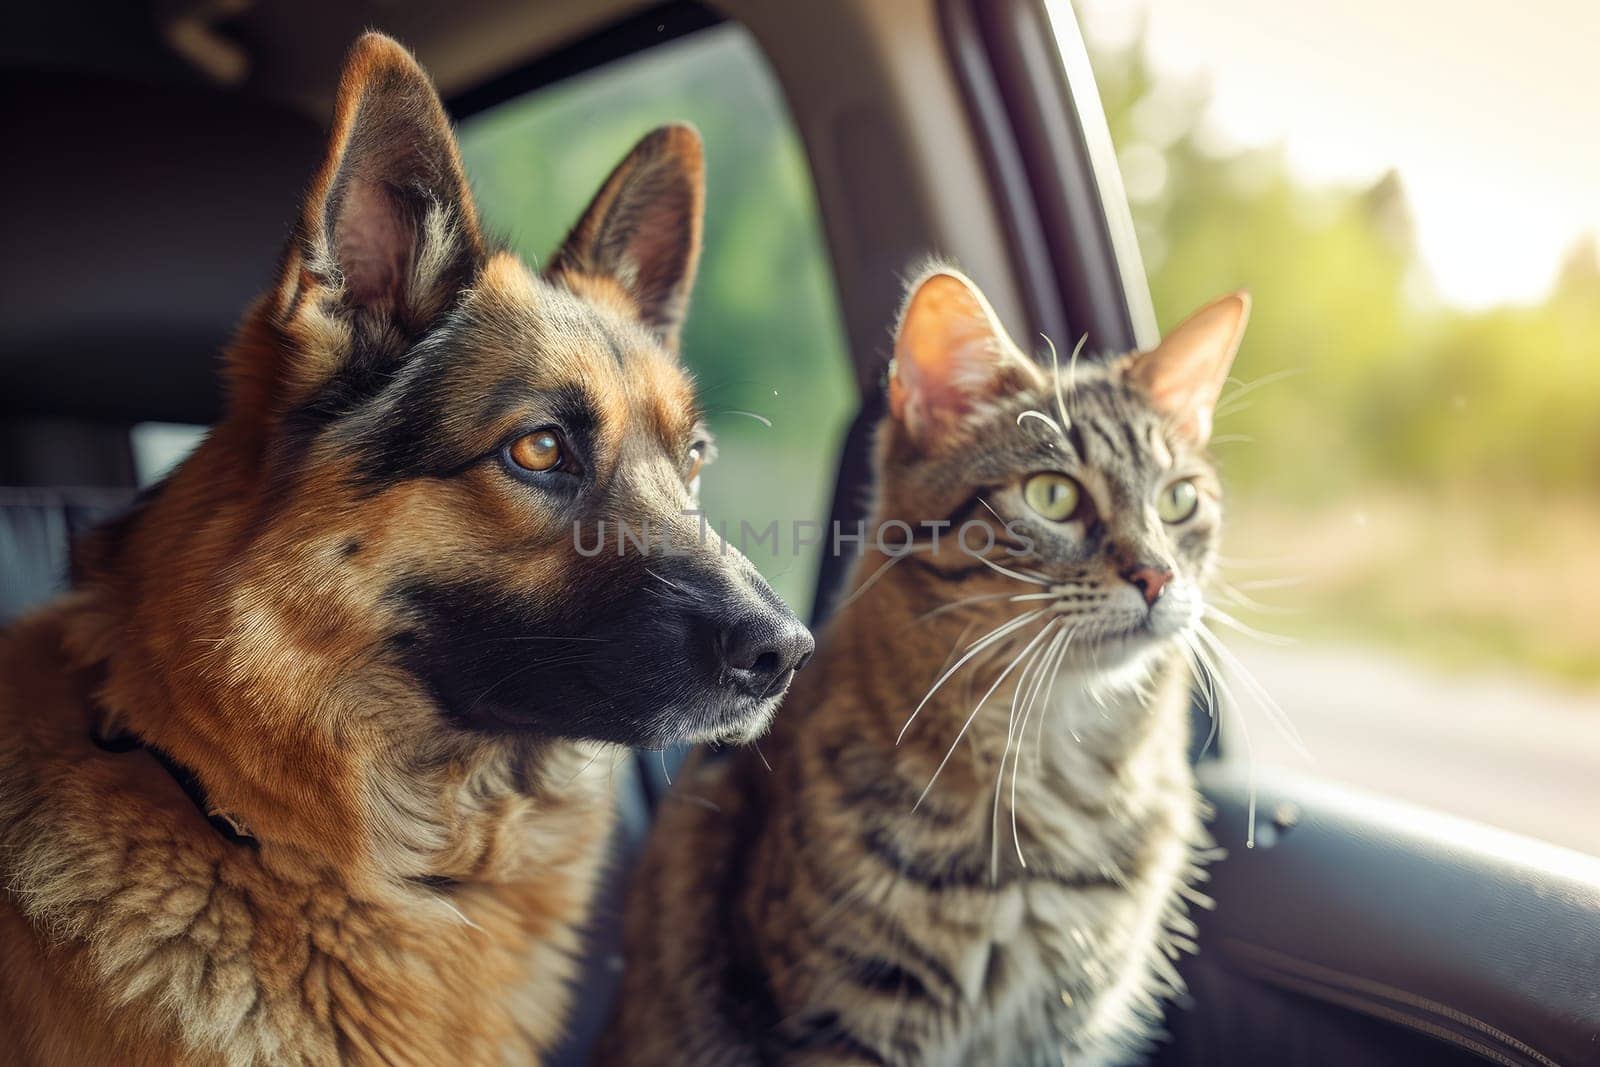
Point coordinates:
[[994, 872]]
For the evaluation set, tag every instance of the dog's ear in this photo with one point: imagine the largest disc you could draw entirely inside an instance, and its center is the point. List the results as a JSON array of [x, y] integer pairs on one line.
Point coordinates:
[[642, 230], [388, 233]]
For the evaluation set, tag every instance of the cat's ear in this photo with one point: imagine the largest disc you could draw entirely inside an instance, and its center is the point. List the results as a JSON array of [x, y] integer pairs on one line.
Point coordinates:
[[642, 230], [1183, 375], [388, 224], [952, 359]]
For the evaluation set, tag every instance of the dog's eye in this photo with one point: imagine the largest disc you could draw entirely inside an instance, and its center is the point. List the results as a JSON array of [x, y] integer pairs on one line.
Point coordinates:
[[697, 459], [540, 450]]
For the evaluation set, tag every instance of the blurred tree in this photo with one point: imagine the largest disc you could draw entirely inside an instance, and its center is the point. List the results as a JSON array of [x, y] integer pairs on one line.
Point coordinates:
[[1383, 382]]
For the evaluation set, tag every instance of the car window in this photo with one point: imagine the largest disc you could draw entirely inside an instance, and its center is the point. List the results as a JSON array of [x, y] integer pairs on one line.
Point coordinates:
[[1410, 443], [764, 336], [160, 446]]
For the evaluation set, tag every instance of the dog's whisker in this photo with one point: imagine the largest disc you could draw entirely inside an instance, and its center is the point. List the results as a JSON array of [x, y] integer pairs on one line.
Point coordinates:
[[762, 419], [533, 637], [669, 584], [558, 661], [440, 899], [587, 764]]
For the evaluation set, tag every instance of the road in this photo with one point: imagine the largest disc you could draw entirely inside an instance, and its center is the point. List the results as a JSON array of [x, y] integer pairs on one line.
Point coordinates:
[[1519, 753]]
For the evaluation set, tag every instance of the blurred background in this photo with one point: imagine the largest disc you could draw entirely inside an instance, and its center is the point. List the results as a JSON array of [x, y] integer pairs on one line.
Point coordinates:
[[1411, 444], [1411, 447]]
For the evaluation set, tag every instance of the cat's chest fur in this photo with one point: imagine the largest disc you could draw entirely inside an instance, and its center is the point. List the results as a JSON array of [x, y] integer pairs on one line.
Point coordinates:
[[1059, 946], [1078, 960]]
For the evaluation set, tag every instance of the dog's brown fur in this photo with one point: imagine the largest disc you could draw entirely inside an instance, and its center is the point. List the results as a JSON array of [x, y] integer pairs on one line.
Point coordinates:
[[292, 616]]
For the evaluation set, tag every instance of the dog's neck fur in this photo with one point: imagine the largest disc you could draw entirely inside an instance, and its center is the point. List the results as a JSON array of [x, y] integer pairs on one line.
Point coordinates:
[[274, 638], [407, 847], [251, 952]]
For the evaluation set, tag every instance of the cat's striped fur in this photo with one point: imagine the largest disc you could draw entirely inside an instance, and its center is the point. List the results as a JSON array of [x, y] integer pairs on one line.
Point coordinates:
[[798, 904]]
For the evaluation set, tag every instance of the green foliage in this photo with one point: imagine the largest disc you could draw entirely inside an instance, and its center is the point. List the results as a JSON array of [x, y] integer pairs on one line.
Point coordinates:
[[1426, 478], [1383, 383]]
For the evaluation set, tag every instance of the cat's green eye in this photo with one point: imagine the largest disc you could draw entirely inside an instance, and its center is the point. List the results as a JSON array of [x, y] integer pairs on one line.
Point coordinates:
[[1178, 501], [1055, 496]]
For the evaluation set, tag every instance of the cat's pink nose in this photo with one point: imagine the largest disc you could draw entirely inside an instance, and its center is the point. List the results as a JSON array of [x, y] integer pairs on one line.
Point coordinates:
[[1148, 580]]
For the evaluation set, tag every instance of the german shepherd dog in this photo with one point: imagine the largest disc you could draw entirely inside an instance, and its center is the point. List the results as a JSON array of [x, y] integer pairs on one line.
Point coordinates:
[[304, 768]]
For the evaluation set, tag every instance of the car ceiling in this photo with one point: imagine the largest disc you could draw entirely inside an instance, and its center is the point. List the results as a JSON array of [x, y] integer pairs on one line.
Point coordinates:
[[159, 152], [289, 51]]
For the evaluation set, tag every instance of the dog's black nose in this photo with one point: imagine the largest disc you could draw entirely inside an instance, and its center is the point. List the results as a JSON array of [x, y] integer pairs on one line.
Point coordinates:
[[762, 652]]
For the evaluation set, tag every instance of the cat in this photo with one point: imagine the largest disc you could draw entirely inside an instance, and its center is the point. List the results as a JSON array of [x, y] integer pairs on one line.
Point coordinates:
[[996, 872]]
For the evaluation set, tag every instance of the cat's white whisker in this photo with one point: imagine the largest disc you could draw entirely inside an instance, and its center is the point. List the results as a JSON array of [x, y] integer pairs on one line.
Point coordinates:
[[1042, 417], [1241, 563], [1275, 712], [1055, 672], [1072, 373], [1012, 732], [1229, 405], [975, 710], [988, 639], [1234, 596], [872, 579], [1213, 612], [1269, 583], [1203, 675], [1249, 748], [1055, 376], [1022, 730], [945, 609], [992, 511], [1029, 578], [1006, 627]]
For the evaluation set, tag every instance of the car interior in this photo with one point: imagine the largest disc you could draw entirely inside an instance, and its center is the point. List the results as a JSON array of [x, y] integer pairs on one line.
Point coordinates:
[[157, 150]]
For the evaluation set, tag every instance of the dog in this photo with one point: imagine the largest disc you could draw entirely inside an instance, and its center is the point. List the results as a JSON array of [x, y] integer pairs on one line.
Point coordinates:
[[312, 763]]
